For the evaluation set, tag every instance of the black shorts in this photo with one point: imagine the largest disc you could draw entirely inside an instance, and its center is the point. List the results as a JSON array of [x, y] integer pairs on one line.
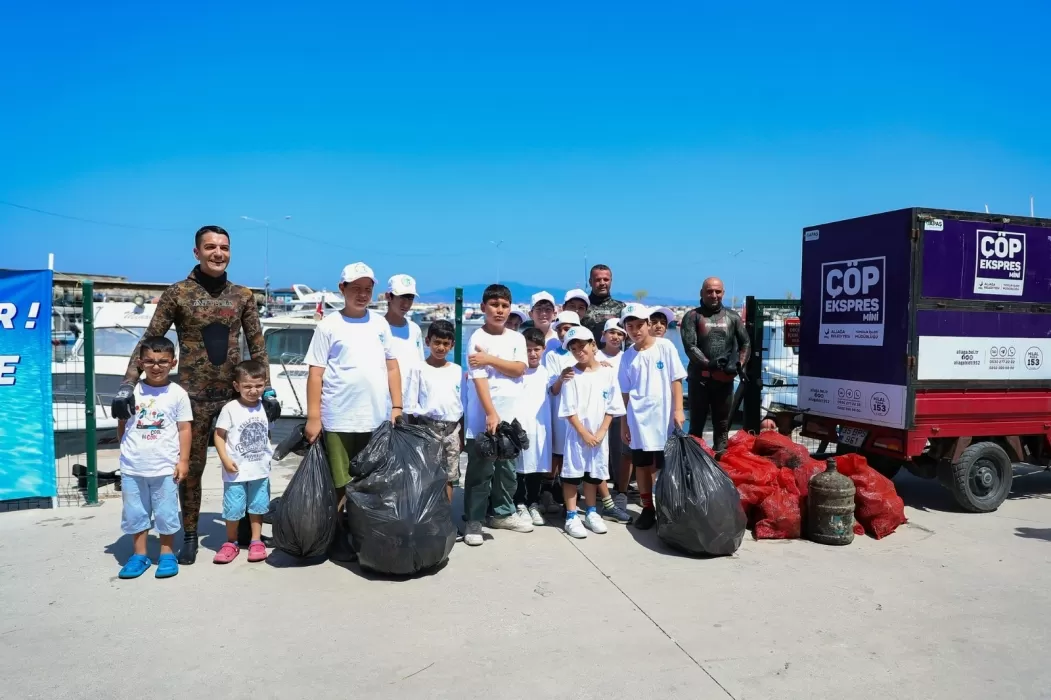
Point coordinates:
[[641, 458], [575, 481]]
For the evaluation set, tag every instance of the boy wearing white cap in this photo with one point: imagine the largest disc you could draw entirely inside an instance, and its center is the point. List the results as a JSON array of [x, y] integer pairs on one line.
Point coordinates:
[[406, 335], [577, 301], [353, 375], [542, 313], [651, 375], [559, 363], [660, 320], [589, 401], [515, 319]]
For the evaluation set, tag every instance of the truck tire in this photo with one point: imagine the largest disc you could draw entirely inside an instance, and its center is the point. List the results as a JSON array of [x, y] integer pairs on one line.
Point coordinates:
[[981, 478]]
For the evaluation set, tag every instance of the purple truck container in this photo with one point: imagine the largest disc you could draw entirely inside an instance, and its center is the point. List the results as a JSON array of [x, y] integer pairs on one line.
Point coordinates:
[[920, 299]]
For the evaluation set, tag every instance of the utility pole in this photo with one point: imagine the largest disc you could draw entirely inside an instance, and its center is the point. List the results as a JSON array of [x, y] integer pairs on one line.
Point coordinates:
[[266, 258]]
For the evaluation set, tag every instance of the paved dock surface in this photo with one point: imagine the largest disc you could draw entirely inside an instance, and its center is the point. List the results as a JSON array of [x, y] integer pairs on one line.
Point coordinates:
[[951, 606]]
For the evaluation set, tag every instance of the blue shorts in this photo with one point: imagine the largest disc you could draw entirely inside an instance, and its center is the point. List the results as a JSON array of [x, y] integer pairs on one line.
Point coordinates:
[[149, 501], [239, 496]]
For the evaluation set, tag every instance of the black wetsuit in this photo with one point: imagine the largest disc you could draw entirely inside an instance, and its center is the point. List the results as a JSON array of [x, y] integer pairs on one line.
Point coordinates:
[[714, 340]]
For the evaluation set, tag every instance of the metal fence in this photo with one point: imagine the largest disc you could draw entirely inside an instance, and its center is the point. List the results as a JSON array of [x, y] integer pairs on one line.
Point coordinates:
[[78, 407], [773, 370]]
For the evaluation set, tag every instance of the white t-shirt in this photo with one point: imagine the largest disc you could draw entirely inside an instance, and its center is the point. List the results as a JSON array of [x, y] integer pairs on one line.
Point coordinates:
[[407, 345], [150, 446], [434, 392], [247, 440], [612, 360], [503, 390], [556, 360], [354, 353], [534, 415], [590, 396], [646, 378]]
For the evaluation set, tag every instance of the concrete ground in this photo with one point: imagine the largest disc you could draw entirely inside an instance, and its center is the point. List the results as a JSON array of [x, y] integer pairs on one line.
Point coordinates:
[[951, 606]]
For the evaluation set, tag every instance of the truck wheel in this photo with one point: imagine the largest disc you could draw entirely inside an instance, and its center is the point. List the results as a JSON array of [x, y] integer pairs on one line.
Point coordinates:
[[981, 479]]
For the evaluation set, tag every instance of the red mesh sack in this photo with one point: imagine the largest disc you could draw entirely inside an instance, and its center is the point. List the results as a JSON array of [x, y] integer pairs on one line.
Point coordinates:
[[704, 446], [754, 477], [805, 473], [781, 450], [877, 505], [741, 440], [780, 517]]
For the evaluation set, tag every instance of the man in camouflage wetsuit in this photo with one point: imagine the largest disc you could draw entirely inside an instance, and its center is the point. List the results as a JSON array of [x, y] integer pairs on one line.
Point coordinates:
[[603, 306], [209, 314], [717, 346]]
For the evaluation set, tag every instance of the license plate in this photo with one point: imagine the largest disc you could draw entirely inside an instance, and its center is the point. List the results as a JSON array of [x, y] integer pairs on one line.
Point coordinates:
[[855, 437]]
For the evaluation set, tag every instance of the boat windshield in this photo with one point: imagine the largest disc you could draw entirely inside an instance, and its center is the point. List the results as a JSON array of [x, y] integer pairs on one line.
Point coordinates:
[[288, 345], [120, 341]]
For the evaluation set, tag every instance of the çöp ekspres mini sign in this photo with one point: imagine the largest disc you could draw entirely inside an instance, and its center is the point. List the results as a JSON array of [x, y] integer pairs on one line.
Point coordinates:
[[853, 300], [999, 265]]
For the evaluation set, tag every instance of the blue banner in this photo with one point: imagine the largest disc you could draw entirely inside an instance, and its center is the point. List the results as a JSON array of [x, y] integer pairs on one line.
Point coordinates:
[[27, 441]]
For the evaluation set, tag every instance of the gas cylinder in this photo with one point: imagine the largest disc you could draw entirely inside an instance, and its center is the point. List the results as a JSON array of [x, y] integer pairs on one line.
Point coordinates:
[[830, 507]]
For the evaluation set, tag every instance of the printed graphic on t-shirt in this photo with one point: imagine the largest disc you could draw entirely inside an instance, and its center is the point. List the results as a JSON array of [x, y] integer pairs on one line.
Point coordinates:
[[254, 439], [149, 418]]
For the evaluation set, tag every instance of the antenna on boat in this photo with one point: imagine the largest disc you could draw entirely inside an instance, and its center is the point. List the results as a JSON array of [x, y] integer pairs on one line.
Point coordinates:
[[1031, 206], [986, 208], [587, 278]]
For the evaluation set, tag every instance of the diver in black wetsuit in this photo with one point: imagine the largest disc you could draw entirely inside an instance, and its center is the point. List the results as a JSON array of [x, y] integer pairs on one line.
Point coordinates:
[[717, 345]]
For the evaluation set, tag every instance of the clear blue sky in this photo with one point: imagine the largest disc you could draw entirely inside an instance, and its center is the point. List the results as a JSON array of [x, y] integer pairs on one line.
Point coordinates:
[[660, 136]]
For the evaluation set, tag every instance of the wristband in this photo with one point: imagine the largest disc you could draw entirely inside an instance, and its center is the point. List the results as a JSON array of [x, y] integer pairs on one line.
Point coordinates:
[[397, 407]]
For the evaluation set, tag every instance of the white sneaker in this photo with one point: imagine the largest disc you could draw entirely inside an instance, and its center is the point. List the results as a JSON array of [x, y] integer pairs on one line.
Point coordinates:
[[535, 516], [593, 522], [523, 514], [513, 523], [574, 528], [473, 537]]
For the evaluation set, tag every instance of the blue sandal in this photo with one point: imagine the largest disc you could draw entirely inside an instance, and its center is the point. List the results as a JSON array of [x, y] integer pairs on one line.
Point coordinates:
[[167, 566], [136, 566]]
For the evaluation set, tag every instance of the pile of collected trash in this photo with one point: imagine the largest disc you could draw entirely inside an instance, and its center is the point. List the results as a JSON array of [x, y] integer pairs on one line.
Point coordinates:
[[772, 475]]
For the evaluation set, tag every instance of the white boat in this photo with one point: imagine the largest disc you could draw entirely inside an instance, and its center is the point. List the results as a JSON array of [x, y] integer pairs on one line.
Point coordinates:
[[118, 328]]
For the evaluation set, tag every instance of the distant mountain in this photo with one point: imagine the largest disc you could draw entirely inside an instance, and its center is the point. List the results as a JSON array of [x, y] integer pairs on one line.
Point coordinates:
[[521, 294]]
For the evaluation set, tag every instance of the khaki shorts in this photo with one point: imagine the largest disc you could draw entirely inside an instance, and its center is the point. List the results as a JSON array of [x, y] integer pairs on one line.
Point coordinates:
[[341, 449], [449, 434]]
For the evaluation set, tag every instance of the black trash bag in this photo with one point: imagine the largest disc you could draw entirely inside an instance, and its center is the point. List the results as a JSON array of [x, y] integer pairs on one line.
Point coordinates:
[[698, 507], [399, 518], [275, 504], [306, 521], [508, 442], [293, 443]]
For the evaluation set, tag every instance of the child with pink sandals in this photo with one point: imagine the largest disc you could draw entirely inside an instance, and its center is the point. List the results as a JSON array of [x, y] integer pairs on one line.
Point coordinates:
[[242, 439]]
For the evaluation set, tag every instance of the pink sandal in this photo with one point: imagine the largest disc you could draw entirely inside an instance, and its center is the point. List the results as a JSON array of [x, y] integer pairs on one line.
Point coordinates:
[[256, 551], [226, 554]]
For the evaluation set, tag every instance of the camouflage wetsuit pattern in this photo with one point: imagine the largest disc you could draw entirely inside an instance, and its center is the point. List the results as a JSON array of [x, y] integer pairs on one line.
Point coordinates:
[[600, 310], [707, 336], [209, 325]]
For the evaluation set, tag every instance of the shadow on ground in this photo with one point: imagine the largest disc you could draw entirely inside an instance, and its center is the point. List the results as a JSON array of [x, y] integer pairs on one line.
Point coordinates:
[[1034, 533], [211, 530]]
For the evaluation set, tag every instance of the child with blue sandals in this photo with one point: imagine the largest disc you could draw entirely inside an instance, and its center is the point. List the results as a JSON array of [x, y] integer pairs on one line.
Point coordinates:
[[154, 458]]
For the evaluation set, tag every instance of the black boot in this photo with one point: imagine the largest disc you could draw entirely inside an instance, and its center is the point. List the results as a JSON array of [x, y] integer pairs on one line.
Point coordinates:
[[340, 549], [188, 553], [244, 532]]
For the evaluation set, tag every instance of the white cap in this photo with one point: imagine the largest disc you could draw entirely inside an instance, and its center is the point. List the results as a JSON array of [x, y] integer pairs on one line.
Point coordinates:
[[539, 297], [400, 285], [668, 313], [635, 310], [577, 294], [565, 317], [576, 333], [520, 314], [613, 325], [357, 271]]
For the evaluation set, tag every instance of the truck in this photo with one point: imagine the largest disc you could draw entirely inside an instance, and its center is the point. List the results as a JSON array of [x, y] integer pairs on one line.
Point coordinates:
[[925, 344]]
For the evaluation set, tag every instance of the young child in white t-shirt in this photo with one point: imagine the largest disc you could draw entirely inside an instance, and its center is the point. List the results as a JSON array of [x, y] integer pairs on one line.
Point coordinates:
[[497, 361], [559, 363], [651, 375], [534, 414], [353, 379], [589, 401], [242, 440], [154, 458], [613, 336], [432, 398], [406, 336]]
